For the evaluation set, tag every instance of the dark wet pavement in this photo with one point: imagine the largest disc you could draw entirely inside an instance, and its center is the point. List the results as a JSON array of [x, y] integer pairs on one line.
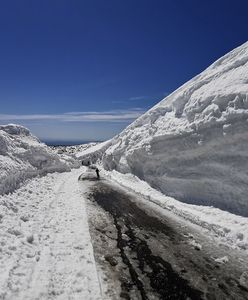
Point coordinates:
[[159, 262]]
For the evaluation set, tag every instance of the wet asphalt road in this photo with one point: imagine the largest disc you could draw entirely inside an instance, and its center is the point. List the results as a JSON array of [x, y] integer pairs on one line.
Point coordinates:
[[156, 258]]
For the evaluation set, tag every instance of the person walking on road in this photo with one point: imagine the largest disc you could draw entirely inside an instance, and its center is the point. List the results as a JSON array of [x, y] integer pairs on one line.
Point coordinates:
[[97, 173]]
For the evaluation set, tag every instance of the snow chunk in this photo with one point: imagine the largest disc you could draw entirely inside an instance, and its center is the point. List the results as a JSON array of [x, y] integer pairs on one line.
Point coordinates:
[[196, 245], [222, 260]]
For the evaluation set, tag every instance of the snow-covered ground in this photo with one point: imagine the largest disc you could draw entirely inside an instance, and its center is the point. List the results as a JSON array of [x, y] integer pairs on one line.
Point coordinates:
[[45, 246], [193, 144], [23, 156]]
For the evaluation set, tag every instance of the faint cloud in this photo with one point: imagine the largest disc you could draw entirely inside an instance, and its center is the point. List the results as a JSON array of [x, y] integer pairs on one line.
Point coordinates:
[[118, 101], [137, 98], [129, 99], [92, 116]]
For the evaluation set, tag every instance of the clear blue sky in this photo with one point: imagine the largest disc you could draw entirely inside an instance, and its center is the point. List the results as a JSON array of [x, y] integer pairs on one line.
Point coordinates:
[[83, 70]]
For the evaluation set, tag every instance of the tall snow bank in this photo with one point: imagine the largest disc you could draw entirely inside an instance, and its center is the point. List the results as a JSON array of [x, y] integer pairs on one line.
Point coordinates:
[[22, 156], [92, 152], [193, 144]]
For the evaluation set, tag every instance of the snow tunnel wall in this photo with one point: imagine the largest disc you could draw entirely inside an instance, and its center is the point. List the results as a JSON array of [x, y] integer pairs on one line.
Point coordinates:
[[213, 172], [193, 144]]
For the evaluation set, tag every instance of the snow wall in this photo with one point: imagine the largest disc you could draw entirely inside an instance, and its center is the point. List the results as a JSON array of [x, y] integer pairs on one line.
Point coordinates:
[[93, 153], [22, 156], [193, 145]]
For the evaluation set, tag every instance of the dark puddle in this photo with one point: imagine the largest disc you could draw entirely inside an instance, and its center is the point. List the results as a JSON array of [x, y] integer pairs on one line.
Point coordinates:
[[149, 273], [90, 177]]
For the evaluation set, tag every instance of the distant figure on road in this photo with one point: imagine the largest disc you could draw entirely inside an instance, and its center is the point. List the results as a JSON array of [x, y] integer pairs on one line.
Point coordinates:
[[97, 173]]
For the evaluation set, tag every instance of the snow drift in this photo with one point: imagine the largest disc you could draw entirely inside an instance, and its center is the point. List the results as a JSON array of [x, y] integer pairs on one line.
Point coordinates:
[[22, 156], [193, 144]]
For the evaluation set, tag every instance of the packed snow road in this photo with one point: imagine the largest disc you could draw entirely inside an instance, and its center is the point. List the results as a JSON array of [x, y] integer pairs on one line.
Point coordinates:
[[143, 255], [45, 245]]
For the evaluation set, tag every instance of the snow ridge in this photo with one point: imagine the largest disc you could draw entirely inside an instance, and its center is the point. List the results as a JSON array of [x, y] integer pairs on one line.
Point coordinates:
[[22, 156]]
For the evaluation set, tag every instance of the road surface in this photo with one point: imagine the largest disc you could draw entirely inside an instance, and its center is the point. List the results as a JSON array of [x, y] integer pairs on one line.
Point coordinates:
[[143, 255]]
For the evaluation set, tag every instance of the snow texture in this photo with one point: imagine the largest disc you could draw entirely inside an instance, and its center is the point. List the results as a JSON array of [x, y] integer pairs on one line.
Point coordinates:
[[193, 144], [22, 156], [45, 245]]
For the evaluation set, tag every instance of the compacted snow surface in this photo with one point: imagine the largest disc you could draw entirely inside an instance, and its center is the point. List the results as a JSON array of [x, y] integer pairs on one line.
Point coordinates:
[[45, 246]]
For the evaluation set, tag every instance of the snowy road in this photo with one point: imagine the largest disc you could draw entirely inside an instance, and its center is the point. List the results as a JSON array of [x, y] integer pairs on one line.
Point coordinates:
[[45, 246], [141, 251], [143, 255]]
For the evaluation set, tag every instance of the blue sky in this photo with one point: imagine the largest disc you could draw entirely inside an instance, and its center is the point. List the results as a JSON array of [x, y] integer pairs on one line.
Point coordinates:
[[83, 70]]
